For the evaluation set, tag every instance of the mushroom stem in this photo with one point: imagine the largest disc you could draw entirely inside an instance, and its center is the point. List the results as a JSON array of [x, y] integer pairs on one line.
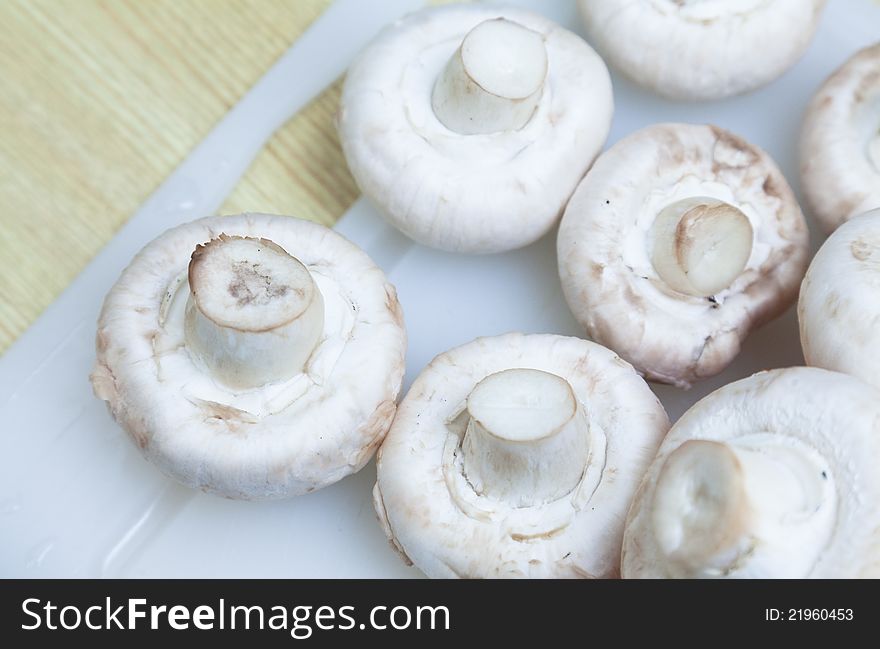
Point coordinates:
[[715, 503], [494, 80], [701, 245], [527, 439], [874, 151], [254, 314]]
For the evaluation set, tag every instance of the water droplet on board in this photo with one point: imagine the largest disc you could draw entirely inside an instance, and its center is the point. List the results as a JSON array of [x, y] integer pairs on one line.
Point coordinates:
[[9, 506], [39, 553]]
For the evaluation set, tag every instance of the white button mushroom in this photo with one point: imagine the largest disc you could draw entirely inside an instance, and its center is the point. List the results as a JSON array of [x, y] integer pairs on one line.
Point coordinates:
[[774, 476], [701, 49], [470, 126], [252, 356], [681, 240], [839, 307], [840, 142], [517, 456]]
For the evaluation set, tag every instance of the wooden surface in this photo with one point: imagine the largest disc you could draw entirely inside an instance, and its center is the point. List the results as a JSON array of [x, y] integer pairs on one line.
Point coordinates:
[[99, 102]]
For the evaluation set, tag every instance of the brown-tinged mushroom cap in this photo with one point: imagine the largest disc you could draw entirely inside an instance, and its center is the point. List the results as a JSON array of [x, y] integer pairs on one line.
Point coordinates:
[[840, 142], [679, 241], [252, 356], [701, 49], [517, 456], [469, 126], [839, 307], [773, 476]]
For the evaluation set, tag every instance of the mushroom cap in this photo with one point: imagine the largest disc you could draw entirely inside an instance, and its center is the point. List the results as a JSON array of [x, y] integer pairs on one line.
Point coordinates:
[[703, 50], [284, 438], [839, 310], [607, 275], [469, 193], [832, 414], [840, 172], [432, 514]]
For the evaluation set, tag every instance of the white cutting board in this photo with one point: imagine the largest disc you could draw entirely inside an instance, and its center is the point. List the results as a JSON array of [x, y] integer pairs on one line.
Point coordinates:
[[76, 499]]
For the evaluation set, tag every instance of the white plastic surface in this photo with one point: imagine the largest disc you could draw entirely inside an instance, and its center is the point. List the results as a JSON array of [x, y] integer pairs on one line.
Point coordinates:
[[77, 499]]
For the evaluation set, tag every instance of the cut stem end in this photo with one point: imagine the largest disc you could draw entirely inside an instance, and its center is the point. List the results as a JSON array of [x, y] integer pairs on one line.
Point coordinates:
[[527, 439], [700, 510], [494, 80], [762, 511], [701, 245], [254, 314]]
